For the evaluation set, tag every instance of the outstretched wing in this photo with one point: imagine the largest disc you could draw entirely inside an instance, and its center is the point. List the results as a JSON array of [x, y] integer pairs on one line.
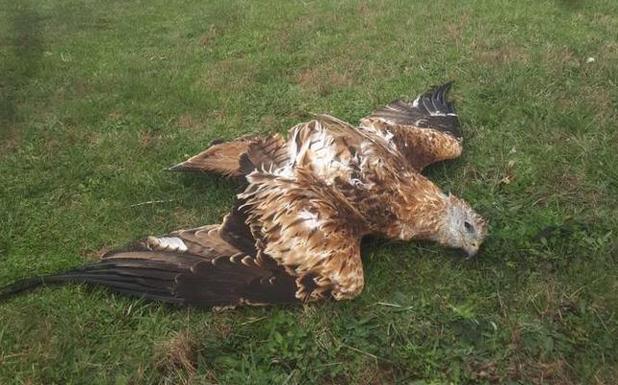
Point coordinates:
[[425, 130], [232, 158], [287, 240], [194, 267]]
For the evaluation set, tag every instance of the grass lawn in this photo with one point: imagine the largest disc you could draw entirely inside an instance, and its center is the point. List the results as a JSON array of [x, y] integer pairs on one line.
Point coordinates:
[[98, 97]]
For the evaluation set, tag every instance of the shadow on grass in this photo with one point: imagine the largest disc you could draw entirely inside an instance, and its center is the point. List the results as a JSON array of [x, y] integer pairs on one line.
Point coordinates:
[[571, 5], [23, 62], [210, 183]]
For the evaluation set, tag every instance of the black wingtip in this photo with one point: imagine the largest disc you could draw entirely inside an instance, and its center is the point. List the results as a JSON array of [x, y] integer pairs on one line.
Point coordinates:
[[436, 89], [435, 99], [439, 92], [20, 286], [441, 95], [138, 277]]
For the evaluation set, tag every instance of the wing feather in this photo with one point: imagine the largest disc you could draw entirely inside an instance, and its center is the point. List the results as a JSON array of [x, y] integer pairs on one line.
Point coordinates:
[[314, 232], [288, 240], [221, 157], [425, 130]]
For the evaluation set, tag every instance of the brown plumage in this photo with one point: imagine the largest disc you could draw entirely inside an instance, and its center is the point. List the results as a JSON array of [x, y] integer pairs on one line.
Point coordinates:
[[294, 232], [220, 157]]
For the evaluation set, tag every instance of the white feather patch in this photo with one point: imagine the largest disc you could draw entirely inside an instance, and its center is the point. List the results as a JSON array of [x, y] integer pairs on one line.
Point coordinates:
[[167, 243], [311, 219]]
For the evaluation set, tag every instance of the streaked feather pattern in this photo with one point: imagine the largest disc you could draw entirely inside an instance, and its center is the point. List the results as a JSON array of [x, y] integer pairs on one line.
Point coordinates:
[[294, 232], [425, 130]]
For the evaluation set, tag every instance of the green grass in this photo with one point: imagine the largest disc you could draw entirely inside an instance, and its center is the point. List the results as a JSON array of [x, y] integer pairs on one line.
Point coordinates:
[[97, 98]]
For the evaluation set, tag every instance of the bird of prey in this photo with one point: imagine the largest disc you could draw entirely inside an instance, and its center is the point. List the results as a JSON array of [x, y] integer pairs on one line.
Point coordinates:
[[294, 233]]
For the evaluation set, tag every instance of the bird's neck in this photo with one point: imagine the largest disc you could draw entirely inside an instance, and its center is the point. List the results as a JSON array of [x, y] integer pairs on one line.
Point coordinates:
[[421, 209], [396, 202]]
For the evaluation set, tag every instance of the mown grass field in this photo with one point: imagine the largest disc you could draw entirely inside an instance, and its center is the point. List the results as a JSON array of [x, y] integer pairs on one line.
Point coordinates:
[[98, 97]]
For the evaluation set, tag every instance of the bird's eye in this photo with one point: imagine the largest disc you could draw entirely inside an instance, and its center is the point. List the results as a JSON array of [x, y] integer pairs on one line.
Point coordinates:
[[468, 226]]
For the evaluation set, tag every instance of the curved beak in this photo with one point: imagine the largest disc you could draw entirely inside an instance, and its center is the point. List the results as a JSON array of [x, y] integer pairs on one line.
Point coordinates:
[[471, 250]]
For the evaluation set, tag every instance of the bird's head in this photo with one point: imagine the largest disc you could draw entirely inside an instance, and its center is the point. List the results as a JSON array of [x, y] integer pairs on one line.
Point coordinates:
[[462, 228]]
